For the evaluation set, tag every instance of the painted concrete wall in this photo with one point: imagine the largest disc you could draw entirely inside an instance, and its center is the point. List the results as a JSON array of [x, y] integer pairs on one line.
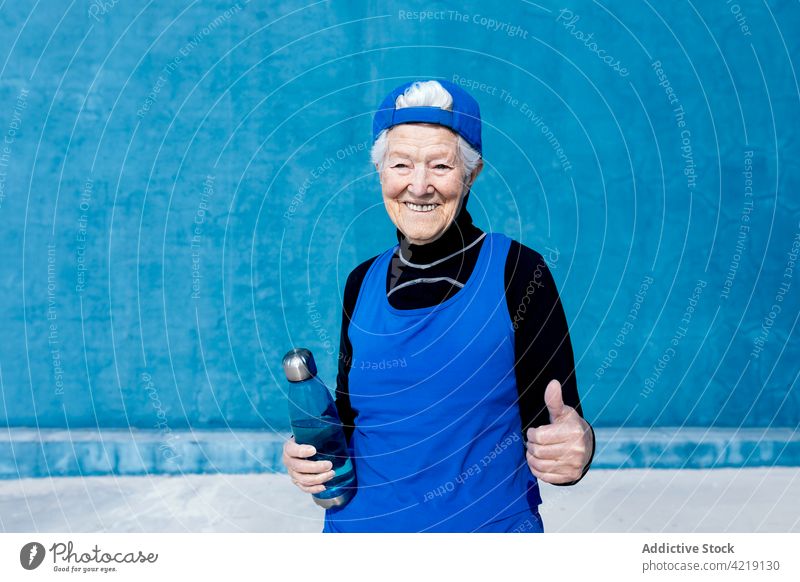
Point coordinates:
[[185, 186]]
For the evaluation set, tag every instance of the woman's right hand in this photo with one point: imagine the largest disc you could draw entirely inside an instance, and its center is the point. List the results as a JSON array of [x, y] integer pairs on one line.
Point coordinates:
[[307, 475]]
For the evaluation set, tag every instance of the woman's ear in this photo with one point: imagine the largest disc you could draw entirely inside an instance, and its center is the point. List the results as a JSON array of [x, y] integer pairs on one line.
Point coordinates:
[[475, 172]]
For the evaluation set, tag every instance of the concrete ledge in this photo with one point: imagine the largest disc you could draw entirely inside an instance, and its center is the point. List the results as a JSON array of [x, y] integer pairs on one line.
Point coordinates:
[[26, 452], [696, 448]]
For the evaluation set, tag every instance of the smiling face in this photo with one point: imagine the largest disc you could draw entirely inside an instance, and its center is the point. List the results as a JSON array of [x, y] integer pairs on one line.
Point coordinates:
[[423, 180]]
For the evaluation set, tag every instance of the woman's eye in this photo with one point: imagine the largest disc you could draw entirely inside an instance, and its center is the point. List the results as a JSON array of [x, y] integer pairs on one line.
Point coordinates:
[[400, 166], [442, 167]]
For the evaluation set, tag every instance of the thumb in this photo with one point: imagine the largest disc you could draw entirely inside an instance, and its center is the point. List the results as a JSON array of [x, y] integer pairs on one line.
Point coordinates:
[[554, 400]]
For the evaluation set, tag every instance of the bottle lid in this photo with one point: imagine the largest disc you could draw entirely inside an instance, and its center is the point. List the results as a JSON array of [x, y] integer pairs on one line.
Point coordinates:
[[299, 365]]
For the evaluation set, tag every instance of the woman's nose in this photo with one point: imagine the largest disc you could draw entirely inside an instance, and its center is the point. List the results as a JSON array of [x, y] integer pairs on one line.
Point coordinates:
[[419, 182]]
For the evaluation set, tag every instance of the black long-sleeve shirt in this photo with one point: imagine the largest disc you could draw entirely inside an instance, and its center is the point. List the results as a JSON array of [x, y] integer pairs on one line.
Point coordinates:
[[541, 338]]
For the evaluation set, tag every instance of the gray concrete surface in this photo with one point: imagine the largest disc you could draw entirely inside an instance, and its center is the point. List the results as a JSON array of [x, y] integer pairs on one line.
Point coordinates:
[[635, 500]]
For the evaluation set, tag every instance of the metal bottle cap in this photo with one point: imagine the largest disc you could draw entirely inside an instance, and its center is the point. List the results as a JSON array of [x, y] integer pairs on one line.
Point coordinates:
[[299, 365]]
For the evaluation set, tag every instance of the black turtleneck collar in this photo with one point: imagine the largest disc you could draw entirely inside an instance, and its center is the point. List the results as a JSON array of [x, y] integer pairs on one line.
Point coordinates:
[[459, 234]]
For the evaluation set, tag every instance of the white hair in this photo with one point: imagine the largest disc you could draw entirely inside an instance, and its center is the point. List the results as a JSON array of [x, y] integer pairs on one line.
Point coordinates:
[[426, 94]]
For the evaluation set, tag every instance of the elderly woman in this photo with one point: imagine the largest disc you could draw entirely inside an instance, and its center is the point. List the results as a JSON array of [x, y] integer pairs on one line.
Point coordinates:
[[456, 383]]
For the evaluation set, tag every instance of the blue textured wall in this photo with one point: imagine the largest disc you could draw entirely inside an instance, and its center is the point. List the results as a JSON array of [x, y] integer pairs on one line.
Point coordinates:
[[183, 191]]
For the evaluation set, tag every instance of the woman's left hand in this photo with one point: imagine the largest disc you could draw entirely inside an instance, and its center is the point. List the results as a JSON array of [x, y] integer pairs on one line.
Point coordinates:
[[558, 452]]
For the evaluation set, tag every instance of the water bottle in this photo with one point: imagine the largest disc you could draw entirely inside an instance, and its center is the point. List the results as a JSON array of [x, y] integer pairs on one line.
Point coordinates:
[[314, 420]]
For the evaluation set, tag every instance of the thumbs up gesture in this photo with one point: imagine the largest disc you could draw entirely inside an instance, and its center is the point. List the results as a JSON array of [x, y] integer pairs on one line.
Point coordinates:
[[558, 452]]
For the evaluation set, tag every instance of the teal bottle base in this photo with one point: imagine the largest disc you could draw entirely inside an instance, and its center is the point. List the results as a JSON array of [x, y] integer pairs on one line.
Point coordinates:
[[337, 501]]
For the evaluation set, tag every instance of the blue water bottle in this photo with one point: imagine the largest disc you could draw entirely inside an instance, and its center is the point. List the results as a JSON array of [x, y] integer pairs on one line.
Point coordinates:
[[312, 413]]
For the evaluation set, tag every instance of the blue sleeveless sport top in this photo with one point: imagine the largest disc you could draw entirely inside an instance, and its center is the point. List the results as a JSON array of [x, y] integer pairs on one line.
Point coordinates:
[[438, 443]]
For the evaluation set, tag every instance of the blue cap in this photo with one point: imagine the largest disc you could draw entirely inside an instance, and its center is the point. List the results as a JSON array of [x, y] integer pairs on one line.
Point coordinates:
[[464, 118]]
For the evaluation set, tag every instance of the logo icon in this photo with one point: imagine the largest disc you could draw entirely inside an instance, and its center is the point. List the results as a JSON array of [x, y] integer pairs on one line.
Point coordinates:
[[31, 555]]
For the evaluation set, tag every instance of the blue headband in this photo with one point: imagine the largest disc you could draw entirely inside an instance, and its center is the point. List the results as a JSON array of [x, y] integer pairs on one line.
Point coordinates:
[[464, 118]]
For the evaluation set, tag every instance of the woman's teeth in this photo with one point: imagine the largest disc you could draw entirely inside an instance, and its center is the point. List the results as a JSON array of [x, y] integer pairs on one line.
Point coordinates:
[[420, 207]]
